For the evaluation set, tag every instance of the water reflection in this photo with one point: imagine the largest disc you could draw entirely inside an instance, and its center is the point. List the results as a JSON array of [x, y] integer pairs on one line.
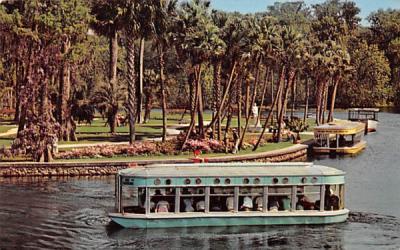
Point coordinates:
[[234, 237]]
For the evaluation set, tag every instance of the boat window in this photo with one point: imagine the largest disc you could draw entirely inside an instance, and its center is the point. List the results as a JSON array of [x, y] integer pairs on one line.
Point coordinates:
[[162, 200], [157, 182], [285, 180], [198, 181], [321, 139], [187, 181], [246, 181], [275, 180], [131, 198], [227, 181], [308, 197], [304, 180], [168, 182], [334, 197], [250, 198], [221, 199], [279, 198], [192, 199], [217, 181], [257, 181]]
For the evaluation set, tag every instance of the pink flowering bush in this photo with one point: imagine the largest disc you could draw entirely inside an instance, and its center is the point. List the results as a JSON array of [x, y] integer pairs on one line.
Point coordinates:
[[206, 145], [142, 148], [138, 148]]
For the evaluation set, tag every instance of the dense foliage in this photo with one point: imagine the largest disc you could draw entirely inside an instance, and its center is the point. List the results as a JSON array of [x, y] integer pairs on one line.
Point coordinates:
[[63, 60]]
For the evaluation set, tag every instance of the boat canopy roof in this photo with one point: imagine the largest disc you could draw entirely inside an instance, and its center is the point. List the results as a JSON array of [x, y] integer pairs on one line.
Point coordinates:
[[230, 170], [340, 127], [364, 109]]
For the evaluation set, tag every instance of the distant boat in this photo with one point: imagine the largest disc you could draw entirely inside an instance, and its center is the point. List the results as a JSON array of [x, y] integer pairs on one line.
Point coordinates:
[[339, 137], [229, 194], [369, 116]]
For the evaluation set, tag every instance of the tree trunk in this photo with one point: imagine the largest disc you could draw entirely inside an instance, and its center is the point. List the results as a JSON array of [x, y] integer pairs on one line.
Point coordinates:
[[267, 73], [131, 87], [217, 97], [193, 118], [228, 87], [306, 101], [141, 76], [290, 80], [247, 98], [113, 75], [333, 98], [239, 105], [228, 124], [318, 98], [200, 103], [252, 102], [19, 70], [64, 115], [293, 98], [274, 103], [163, 94], [325, 102], [192, 96]]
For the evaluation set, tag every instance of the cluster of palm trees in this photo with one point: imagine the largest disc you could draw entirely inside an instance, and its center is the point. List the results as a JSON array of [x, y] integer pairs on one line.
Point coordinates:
[[245, 58]]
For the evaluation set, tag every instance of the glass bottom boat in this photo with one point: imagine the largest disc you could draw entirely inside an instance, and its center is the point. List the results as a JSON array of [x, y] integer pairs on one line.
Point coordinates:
[[198, 195]]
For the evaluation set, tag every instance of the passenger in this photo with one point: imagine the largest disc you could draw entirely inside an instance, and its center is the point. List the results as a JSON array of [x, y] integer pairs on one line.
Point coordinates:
[[162, 207], [274, 205], [188, 205], [247, 204], [305, 203], [216, 203], [259, 203], [157, 196], [200, 206], [331, 200], [230, 204]]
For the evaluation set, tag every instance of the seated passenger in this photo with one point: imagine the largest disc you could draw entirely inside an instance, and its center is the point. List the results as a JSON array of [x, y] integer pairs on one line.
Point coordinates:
[[259, 203], [215, 203], [200, 206], [247, 204], [305, 203], [331, 200], [188, 205], [230, 204], [274, 205], [162, 207]]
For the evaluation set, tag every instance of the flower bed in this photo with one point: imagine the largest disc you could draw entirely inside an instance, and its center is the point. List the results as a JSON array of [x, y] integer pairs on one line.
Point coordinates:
[[142, 148]]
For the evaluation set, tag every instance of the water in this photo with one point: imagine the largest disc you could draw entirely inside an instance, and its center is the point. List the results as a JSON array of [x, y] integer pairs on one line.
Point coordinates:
[[43, 213]]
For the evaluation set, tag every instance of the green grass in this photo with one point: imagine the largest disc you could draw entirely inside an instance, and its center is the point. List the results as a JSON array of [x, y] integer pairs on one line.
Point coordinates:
[[6, 142], [5, 128]]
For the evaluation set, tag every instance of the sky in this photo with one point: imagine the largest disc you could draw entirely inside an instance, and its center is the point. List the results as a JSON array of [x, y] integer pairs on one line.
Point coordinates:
[[250, 6]]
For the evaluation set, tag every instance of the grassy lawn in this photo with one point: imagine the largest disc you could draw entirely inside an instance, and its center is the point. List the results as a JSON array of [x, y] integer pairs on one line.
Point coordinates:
[[6, 142]]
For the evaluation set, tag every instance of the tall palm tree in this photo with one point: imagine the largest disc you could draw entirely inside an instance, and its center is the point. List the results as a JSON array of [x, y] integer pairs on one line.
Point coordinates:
[[164, 24], [291, 53], [108, 22], [131, 19]]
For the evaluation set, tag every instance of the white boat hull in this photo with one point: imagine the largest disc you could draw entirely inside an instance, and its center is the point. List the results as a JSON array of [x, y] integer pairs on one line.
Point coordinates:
[[372, 125]]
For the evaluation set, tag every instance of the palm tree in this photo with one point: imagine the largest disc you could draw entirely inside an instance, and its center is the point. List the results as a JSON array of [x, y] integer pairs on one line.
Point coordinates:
[[199, 36], [163, 24], [291, 53], [132, 25], [220, 19], [108, 23]]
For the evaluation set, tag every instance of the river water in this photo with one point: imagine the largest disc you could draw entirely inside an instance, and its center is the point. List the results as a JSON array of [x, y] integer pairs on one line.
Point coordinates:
[[71, 213]]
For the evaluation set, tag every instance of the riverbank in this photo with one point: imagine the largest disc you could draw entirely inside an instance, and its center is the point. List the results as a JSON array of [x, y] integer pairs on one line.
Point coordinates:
[[21, 169]]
